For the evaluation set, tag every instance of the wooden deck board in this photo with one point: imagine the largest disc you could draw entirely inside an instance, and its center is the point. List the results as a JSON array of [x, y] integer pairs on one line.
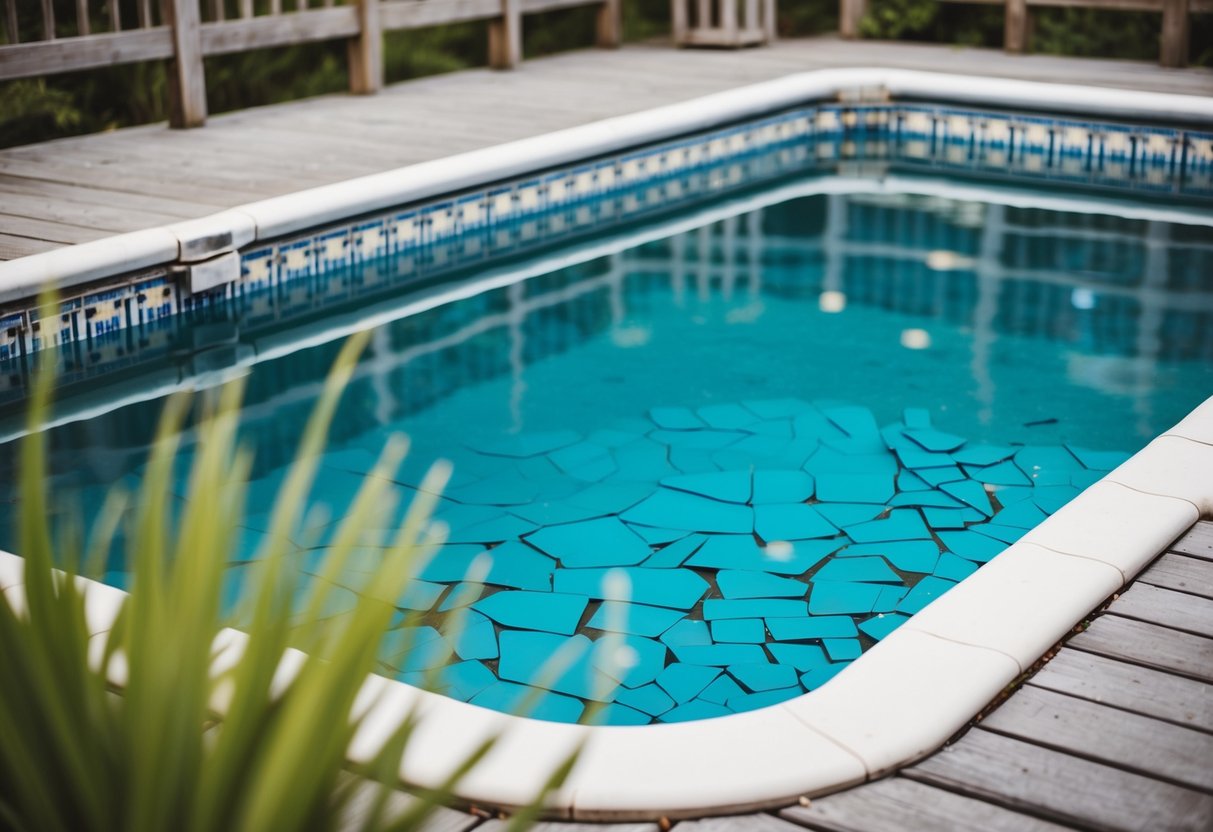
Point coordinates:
[[1149, 645], [1198, 543], [1177, 610], [1119, 684], [1087, 729], [897, 804], [738, 823], [158, 175], [12, 246], [1026, 777], [1182, 574]]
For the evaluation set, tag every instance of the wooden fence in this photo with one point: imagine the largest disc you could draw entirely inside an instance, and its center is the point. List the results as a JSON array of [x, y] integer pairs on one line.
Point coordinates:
[[1173, 46], [184, 32]]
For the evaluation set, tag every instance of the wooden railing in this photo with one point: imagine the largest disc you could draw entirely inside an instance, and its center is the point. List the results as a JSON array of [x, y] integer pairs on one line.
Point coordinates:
[[184, 32], [1173, 45]]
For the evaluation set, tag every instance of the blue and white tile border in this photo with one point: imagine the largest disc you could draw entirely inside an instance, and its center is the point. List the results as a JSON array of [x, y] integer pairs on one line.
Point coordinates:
[[896, 703]]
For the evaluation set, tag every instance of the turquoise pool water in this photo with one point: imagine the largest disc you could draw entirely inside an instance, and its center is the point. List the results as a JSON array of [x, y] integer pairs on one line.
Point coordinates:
[[791, 427]]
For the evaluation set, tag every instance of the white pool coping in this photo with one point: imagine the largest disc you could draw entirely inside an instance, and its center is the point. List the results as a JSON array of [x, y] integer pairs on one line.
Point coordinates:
[[900, 700]]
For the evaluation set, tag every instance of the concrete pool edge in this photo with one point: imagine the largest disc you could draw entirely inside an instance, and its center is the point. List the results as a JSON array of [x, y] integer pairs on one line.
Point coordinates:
[[206, 241], [901, 700]]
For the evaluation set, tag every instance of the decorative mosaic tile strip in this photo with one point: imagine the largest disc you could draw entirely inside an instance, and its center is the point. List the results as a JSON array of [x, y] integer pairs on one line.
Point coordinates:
[[539, 210]]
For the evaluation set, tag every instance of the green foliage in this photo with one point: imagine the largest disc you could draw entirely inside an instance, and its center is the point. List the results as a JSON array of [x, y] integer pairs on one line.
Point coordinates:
[[1080, 32], [419, 52], [897, 19], [930, 20], [76, 757], [806, 17]]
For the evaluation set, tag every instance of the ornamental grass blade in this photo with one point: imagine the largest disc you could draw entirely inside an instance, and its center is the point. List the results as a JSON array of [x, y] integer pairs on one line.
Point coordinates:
[[77, 758]]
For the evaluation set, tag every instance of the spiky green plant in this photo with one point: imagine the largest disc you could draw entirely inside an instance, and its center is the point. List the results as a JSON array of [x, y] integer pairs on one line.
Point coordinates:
[[180, 744]]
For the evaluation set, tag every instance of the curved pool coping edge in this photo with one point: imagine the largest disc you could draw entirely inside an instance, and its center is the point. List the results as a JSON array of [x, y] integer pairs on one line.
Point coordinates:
[[898, 702], [206, 237]]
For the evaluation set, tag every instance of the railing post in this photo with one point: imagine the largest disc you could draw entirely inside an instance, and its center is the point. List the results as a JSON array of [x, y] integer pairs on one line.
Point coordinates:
[[1174, 38], [728, 18], [678, 20], [1015, 35], [505, 36], [769, 20], [609, 25], [186, 76], [850, 12], [366, 51]]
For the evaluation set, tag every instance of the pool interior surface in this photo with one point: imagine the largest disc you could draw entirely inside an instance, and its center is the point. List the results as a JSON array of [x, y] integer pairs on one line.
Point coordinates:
[[790, 429]]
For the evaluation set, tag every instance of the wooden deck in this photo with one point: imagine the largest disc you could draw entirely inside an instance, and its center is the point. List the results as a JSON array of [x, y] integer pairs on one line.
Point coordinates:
[[1115, 732], [79, 189]]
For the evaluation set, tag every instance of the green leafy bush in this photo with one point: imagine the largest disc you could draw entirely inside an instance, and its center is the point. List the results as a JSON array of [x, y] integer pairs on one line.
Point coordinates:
[[152, 728]]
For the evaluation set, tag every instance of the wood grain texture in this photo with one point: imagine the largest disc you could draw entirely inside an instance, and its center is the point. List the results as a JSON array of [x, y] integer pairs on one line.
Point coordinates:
[[363, 799], [1149, 645], [1182, 574], [553, 826], [1150, 747], [1198, 542], [26, 60], [1178, 610], [738, 823], [1120, 684], [1026, 777], [897, 804], [1175, 33]]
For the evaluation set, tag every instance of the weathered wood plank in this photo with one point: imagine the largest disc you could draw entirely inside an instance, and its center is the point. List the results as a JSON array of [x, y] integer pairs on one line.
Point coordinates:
[[1179, 610], [1149, 645], [538, 6], [1130, 687], [736, 823], [221, 38], [1026, 777], [366, 50], [505, 36], [1015, 27], [186, 75], [102, 219], [181, 209], [897, 804], [409, 14], [135, 182], [1198, 542], [363, 800], [555, 826], [1180, 573], [1174, 37], [46, 230], [27, 60], [1087, 729], [13, 247]]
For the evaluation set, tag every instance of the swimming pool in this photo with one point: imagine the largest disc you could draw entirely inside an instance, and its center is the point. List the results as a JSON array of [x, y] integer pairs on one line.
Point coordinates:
[[796, 389], [790, 426]]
